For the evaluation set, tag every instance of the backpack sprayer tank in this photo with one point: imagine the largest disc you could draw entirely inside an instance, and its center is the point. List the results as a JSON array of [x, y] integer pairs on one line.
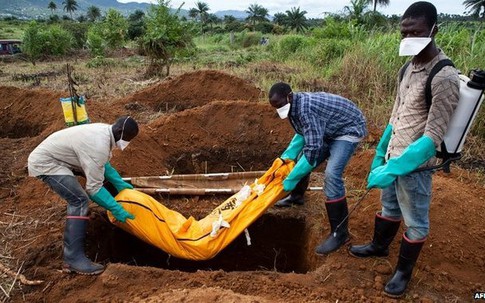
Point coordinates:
[[471, 97]]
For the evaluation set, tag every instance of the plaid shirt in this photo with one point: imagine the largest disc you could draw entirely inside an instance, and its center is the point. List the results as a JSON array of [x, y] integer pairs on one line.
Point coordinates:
[[321, 117]]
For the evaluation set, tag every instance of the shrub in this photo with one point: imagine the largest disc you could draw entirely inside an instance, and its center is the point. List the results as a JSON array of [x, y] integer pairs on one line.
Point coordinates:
[[288, 46], [325, 50], [250, 39], [95, 42], [332, 29], [166, 38], [33, 42], [264, 27], [79, 31], [136, 25], [100, 61], [114, 29], [58, 41]]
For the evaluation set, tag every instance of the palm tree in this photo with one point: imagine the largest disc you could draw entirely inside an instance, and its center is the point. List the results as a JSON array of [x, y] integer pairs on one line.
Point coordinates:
[[296, 19], [279, 18], [256, 13], [70, 6], [136, 16], [229, 19], [477, 7], [200, 12], [356, 10], [93, 13], [202, 7], [193, 13], [212, 19], [52, 6], [82, 18], [380, 2], [231, 24]]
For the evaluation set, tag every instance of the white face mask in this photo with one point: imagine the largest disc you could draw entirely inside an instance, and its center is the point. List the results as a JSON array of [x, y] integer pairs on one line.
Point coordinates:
[[122, 144], [414, 45], [284, 111]]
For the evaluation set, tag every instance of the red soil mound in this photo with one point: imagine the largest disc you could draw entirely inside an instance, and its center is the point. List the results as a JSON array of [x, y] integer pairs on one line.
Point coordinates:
[[194, 89]]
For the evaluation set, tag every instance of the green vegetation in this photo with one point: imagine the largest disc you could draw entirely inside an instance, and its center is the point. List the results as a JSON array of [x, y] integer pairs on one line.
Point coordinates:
[[45, 40], [114, 29], [12, 29], [32, 46], [95, 42], [166, 37]]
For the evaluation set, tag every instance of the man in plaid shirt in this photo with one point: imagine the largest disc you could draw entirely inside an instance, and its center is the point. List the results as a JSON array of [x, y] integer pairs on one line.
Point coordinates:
[[328, 127]]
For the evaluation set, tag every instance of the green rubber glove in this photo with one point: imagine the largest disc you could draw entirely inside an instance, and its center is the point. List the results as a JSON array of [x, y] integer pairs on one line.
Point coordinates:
[[301, 169], [381, 148], [106, 200], [412, 157], [294, 148], [114, 178]]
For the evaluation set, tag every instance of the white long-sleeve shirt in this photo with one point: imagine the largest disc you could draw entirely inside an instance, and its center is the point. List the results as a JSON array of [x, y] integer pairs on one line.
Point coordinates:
[[84, 148]]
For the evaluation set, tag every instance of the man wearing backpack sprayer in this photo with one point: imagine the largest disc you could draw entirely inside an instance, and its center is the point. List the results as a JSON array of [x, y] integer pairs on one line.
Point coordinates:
[[85, 148], [409, 142]]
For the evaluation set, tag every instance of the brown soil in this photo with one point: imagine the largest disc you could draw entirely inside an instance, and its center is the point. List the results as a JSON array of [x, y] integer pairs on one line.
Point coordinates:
[[212, 122]]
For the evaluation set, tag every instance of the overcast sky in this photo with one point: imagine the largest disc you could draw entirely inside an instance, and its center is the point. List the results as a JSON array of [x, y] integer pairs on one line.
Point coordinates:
[[314, 8]]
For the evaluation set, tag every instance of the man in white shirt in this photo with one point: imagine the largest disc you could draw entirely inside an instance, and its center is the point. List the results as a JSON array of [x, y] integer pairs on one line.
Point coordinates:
[[87, 149]]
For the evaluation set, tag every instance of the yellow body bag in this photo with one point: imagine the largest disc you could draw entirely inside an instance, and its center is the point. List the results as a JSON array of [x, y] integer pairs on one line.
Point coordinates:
[[205, 238]]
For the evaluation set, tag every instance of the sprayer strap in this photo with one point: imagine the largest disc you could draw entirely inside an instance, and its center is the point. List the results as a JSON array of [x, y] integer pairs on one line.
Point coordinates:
[[427, 89], [436, 68]]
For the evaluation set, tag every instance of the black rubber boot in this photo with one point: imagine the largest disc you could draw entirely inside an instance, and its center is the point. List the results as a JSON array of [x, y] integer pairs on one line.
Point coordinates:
[[385, 229], [74, 258], [336, 211], [408, 255], [296, 196]]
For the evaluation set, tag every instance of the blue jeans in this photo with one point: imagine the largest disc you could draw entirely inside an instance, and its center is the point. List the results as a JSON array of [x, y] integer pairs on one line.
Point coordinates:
[[70, 190], [338, 155], [409, 197]]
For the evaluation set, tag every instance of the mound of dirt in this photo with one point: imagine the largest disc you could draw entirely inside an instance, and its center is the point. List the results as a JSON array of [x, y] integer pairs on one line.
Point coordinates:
[[222, 136], [194, 89], [28, 113], [213, 124]]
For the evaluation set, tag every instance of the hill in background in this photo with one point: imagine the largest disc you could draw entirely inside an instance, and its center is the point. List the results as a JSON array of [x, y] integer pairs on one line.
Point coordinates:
[[33, 9]]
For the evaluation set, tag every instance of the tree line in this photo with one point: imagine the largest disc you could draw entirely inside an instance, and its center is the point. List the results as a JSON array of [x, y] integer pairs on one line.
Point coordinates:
[[258, 16], [163, 33]]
